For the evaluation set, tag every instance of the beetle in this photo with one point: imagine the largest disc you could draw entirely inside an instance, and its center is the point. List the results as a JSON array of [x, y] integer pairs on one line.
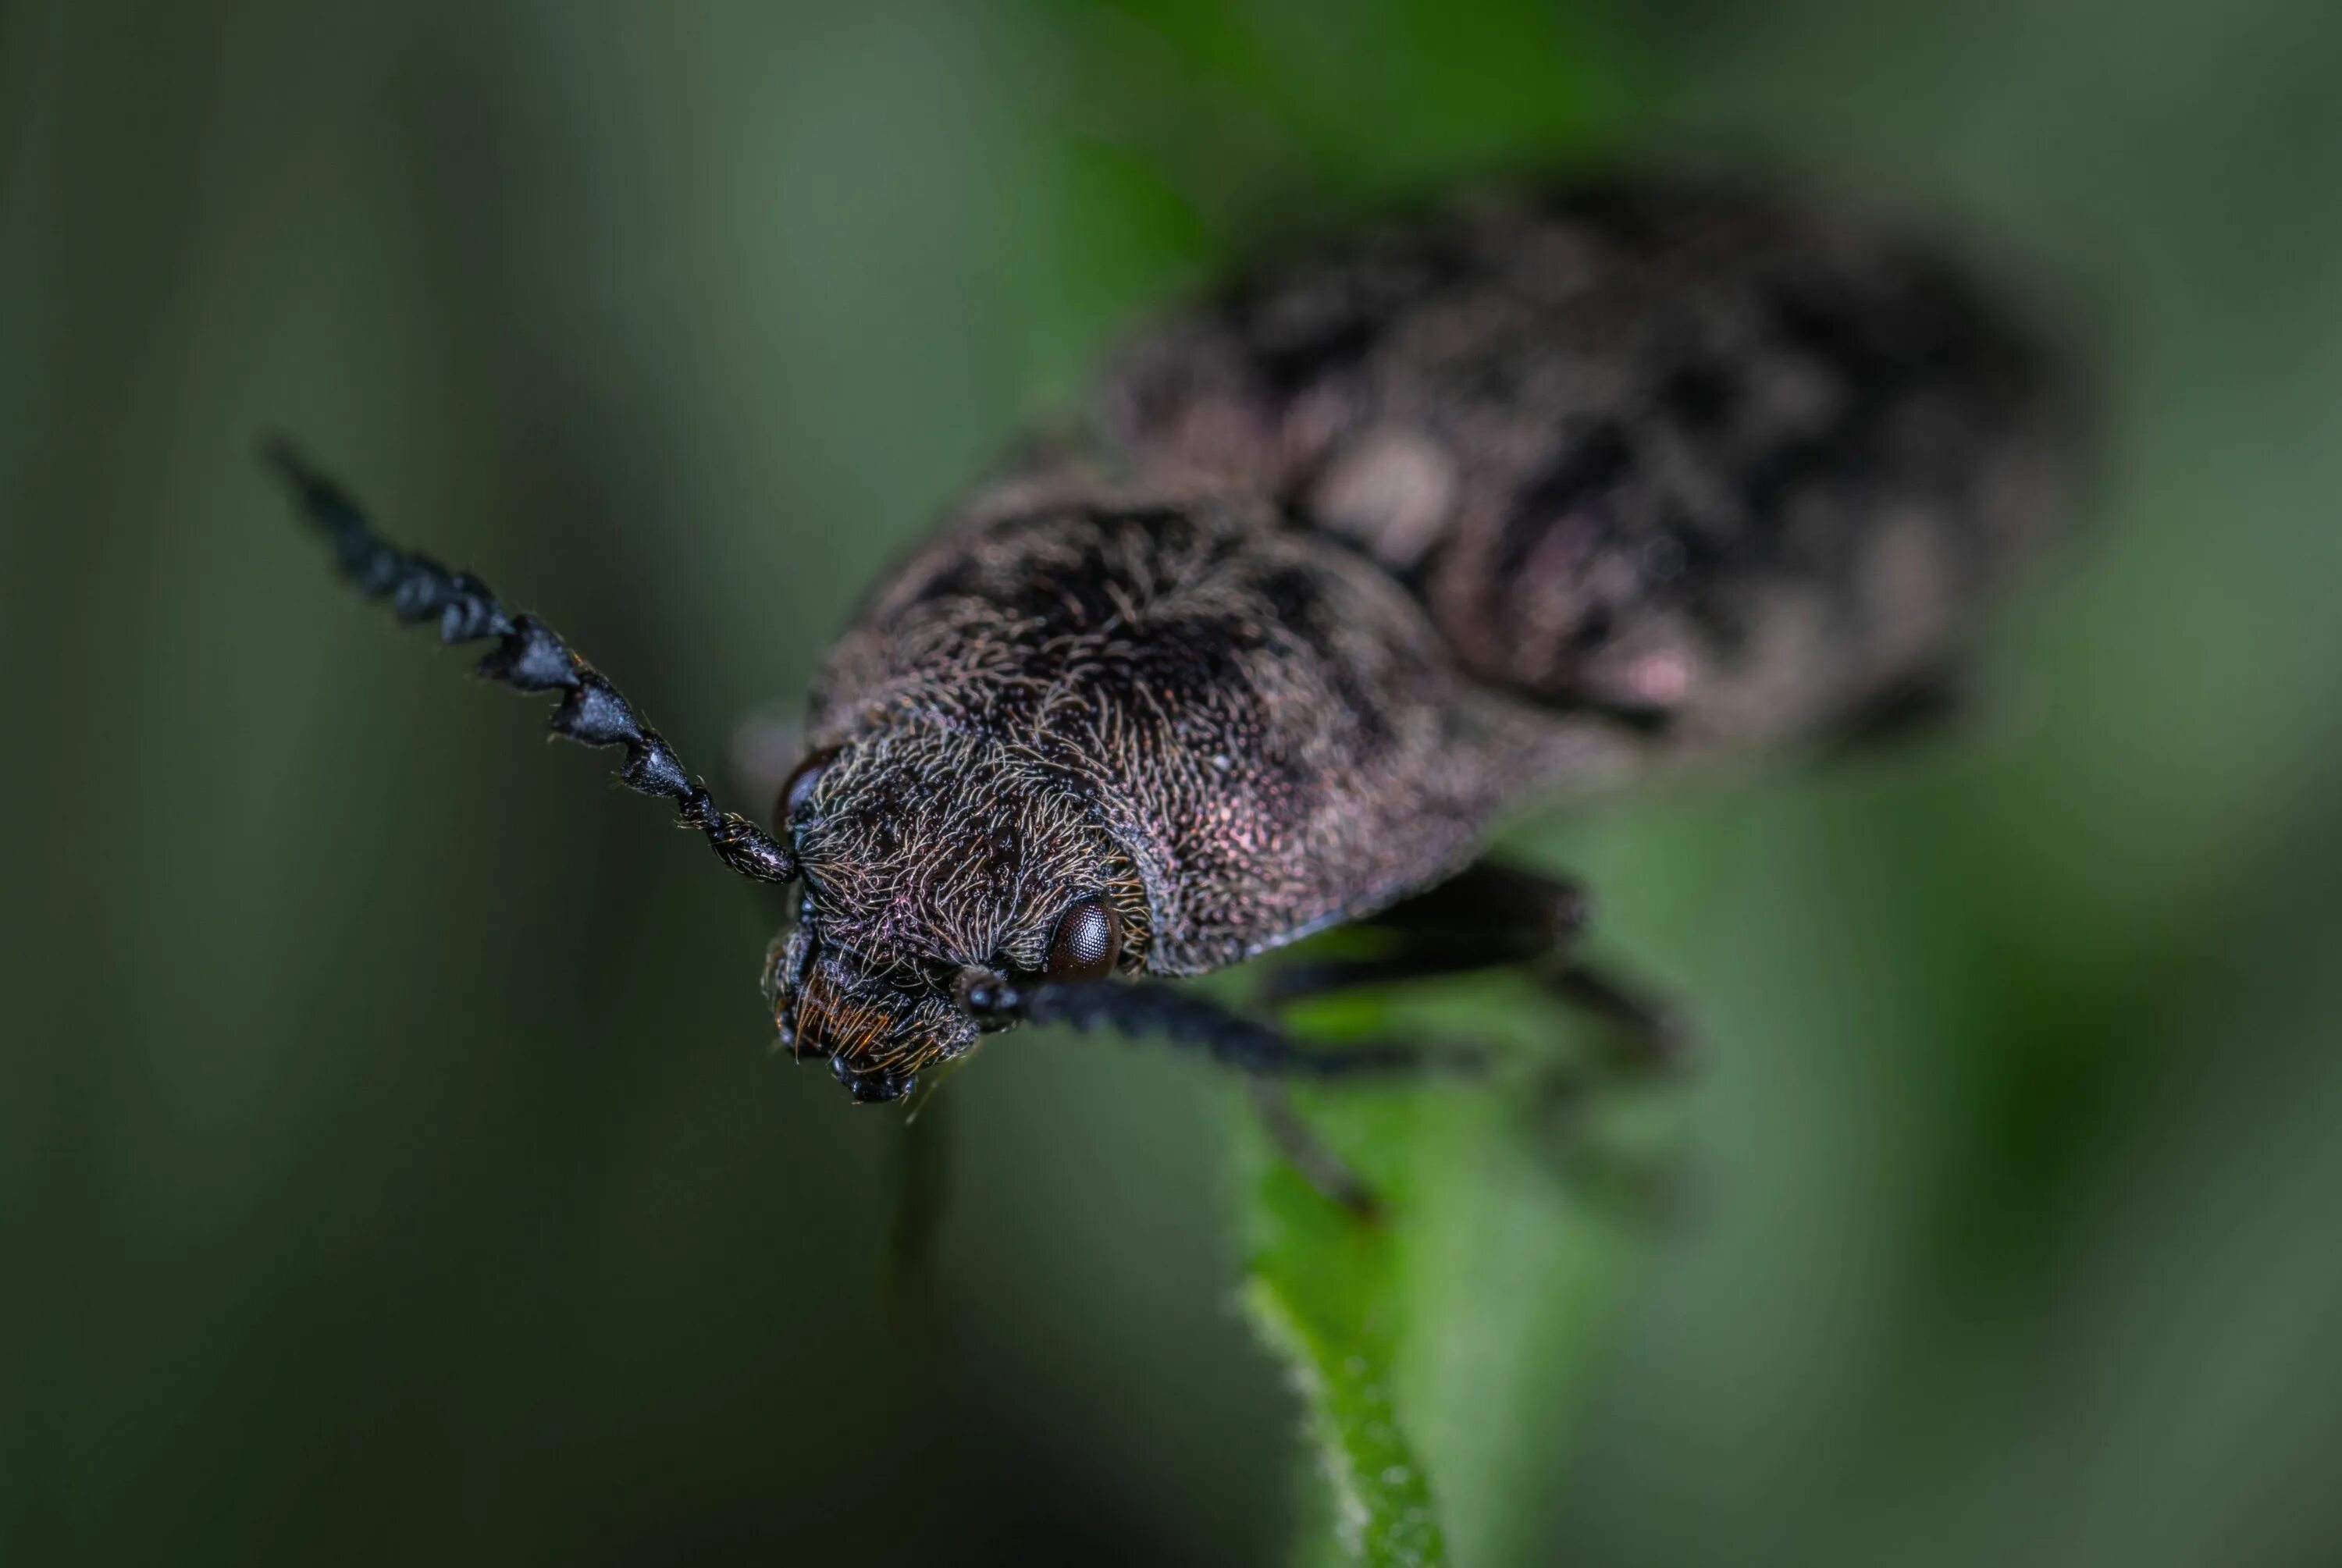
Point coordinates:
[[1517, 499]]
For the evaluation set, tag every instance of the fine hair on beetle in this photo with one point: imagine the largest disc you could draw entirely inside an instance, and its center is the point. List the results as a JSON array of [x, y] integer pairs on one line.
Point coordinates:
[[1518, 500]]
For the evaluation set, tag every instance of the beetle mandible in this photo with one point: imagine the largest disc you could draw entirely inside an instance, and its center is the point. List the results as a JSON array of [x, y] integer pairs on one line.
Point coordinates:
[[1517, 500]]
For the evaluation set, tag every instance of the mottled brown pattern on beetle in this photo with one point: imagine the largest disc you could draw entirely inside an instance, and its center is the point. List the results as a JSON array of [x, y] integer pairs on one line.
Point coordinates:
[[1681, 451]]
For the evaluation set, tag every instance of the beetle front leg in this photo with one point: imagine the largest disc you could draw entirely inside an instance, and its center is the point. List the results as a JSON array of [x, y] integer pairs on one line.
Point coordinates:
[[1492, 917], [1268, 1055], [1144, 1009]]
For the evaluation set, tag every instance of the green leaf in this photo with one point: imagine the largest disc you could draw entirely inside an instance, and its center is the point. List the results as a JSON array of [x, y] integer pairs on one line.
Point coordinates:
[[1322, 1293], [1438, 1346]]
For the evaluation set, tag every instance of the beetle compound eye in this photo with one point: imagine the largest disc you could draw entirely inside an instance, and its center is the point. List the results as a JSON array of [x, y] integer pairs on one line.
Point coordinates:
[[1089, 939], [803, 782]]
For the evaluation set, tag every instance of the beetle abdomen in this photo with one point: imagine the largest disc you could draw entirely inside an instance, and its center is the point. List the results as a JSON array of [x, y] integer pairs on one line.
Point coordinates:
[[1729, 464]]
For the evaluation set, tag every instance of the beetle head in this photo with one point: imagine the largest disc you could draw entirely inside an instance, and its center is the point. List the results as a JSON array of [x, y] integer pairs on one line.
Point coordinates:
[[945, 876]]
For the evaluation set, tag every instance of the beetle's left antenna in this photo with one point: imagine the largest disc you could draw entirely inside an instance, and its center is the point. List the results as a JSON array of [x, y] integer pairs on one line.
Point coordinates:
[[528, 657]]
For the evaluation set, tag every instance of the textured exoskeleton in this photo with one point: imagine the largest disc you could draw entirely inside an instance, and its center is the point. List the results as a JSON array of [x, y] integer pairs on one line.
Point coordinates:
[[1516, 501], [1503, 504]]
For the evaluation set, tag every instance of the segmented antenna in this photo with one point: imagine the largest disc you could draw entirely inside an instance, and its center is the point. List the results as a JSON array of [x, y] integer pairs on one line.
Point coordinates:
[[528, 657]]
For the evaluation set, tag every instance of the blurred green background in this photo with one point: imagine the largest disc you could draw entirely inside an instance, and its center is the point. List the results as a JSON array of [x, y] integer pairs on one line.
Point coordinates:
[[391, 1165]]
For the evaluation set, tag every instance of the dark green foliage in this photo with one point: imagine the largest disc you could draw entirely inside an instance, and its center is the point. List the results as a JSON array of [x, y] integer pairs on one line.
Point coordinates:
[[391, 1169]]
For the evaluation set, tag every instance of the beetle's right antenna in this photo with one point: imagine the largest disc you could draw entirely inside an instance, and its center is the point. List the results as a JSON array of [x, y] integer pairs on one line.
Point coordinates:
[[528, 657]]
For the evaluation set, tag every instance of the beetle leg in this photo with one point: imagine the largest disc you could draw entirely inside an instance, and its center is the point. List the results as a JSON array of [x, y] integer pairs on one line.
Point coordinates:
[[1650, 1033], [1270, 1057], [1491, 916], [1912, 708], [1309, 1154], [1267, 1056], [1186, 1018]]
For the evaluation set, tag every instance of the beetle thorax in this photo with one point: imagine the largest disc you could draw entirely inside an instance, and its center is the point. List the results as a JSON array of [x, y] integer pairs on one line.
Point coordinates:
[[927, 851]]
